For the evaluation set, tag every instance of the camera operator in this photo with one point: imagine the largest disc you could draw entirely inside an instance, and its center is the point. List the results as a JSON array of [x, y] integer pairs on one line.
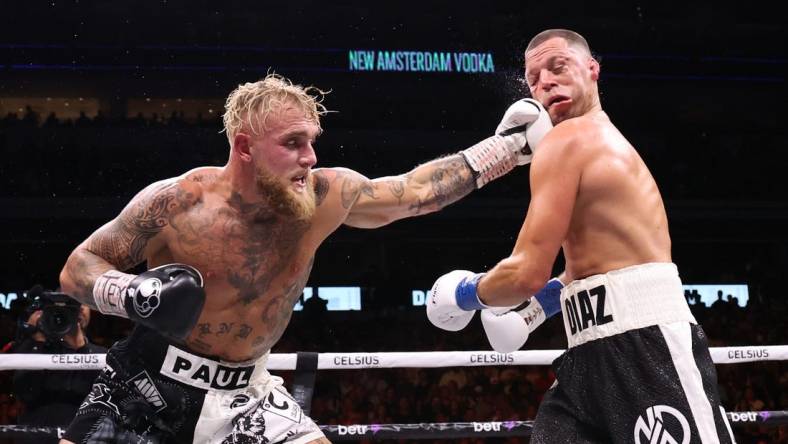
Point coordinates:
[[53, 323]]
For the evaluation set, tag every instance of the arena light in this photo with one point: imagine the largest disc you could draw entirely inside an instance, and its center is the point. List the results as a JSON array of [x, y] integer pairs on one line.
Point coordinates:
[[339, 298], [6, 299], [708, 294]]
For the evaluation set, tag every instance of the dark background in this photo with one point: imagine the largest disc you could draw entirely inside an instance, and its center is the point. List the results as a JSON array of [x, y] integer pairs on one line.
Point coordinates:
[[698, 88]]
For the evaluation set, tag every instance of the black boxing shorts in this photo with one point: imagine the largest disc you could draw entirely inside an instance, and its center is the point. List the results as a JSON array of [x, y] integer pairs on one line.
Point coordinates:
[[638, 367], [152, 392]]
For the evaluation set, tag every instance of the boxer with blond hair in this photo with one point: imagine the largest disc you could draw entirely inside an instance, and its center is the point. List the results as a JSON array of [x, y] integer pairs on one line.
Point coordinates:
[[229, 250]]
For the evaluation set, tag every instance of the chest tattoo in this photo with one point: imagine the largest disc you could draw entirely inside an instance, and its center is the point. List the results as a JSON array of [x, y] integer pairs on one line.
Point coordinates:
[[251, 245]]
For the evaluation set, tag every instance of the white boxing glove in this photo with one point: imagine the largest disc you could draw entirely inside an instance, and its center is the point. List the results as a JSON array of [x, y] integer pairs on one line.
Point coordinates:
[[507, 329], [523, 126], [530, 117], [452, 301]]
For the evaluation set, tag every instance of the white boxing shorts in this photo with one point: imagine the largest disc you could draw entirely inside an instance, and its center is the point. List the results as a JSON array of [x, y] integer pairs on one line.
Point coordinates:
[[638, 367]]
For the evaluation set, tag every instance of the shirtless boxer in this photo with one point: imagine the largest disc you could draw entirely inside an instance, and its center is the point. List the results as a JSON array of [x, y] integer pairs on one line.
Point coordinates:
[[638, 367], [229, 251]]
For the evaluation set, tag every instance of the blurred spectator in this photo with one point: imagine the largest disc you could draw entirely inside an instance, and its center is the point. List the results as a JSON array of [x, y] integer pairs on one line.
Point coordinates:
[[52, 324]]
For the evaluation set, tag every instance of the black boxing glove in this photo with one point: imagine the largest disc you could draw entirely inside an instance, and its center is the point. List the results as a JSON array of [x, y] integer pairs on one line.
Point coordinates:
[[168, 299]]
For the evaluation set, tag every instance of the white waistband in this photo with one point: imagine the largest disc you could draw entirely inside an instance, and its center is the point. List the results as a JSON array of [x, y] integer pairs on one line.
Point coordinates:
[[634, 297], [209, 374]]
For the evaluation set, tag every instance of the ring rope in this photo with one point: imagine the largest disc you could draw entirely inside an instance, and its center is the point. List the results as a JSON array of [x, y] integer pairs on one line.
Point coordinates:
[[345, 361], [435, 430]]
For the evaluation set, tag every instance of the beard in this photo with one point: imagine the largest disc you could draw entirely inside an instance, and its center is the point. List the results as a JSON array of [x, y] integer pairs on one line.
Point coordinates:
[[283, 200]]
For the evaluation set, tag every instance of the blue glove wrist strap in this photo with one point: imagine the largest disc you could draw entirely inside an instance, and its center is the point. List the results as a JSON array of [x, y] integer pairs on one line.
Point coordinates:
[[549, 297], [466, 296]]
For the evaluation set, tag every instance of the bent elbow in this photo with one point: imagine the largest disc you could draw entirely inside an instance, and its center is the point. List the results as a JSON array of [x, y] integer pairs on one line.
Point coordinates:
[[530, 283], [524, 286], [69, 277], [66, 283]]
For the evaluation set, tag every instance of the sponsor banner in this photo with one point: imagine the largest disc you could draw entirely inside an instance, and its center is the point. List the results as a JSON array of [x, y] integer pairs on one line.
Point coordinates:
[[287, 361], [441, 430], [59, 362], [745, 417], [430, 359], [356, 361], [79, 361], [490, 358], [420, 61], [773, 417], [735, 355]]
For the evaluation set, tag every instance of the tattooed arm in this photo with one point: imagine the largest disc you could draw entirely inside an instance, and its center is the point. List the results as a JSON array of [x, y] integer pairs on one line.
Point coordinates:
[[123, 242], [427, 188]]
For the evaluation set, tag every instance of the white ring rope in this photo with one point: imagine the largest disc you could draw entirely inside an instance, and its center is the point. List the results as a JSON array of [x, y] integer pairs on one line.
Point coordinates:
[[345, 361]]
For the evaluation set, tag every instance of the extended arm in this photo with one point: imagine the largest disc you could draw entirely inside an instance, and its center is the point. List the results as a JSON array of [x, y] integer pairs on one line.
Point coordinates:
[[436, 184], [425, 189]]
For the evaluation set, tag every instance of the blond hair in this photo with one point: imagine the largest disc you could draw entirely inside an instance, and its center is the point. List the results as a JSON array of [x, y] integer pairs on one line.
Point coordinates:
[[249, 105]]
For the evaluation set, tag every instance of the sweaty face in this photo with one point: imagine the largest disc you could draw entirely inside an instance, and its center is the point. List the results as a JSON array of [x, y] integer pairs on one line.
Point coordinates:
[[561, 78], [283, 157]]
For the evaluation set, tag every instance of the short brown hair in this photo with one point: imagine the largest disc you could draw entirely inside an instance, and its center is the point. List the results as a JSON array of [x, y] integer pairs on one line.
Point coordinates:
[[573, 38], [250, 104]]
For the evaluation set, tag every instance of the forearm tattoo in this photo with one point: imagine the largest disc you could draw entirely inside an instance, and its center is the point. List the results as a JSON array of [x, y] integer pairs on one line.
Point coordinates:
[[427, 188], [397, 189], [450, 179]]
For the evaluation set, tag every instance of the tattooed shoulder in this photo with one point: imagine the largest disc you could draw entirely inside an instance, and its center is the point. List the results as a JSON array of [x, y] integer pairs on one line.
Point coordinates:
[[123, 241], [202, 177], [154, 206], [351, 185], [354, 185]]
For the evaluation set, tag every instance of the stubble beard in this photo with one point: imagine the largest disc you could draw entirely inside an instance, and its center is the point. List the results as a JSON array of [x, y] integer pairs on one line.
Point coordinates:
[[283, 199]]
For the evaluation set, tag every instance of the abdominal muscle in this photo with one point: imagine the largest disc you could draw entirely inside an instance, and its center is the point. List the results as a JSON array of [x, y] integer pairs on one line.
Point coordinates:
[[243, 324], [232, 330]]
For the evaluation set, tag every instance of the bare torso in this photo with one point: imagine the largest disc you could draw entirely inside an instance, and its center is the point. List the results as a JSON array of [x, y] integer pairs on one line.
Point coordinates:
[[255, 264], [619, 218]]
